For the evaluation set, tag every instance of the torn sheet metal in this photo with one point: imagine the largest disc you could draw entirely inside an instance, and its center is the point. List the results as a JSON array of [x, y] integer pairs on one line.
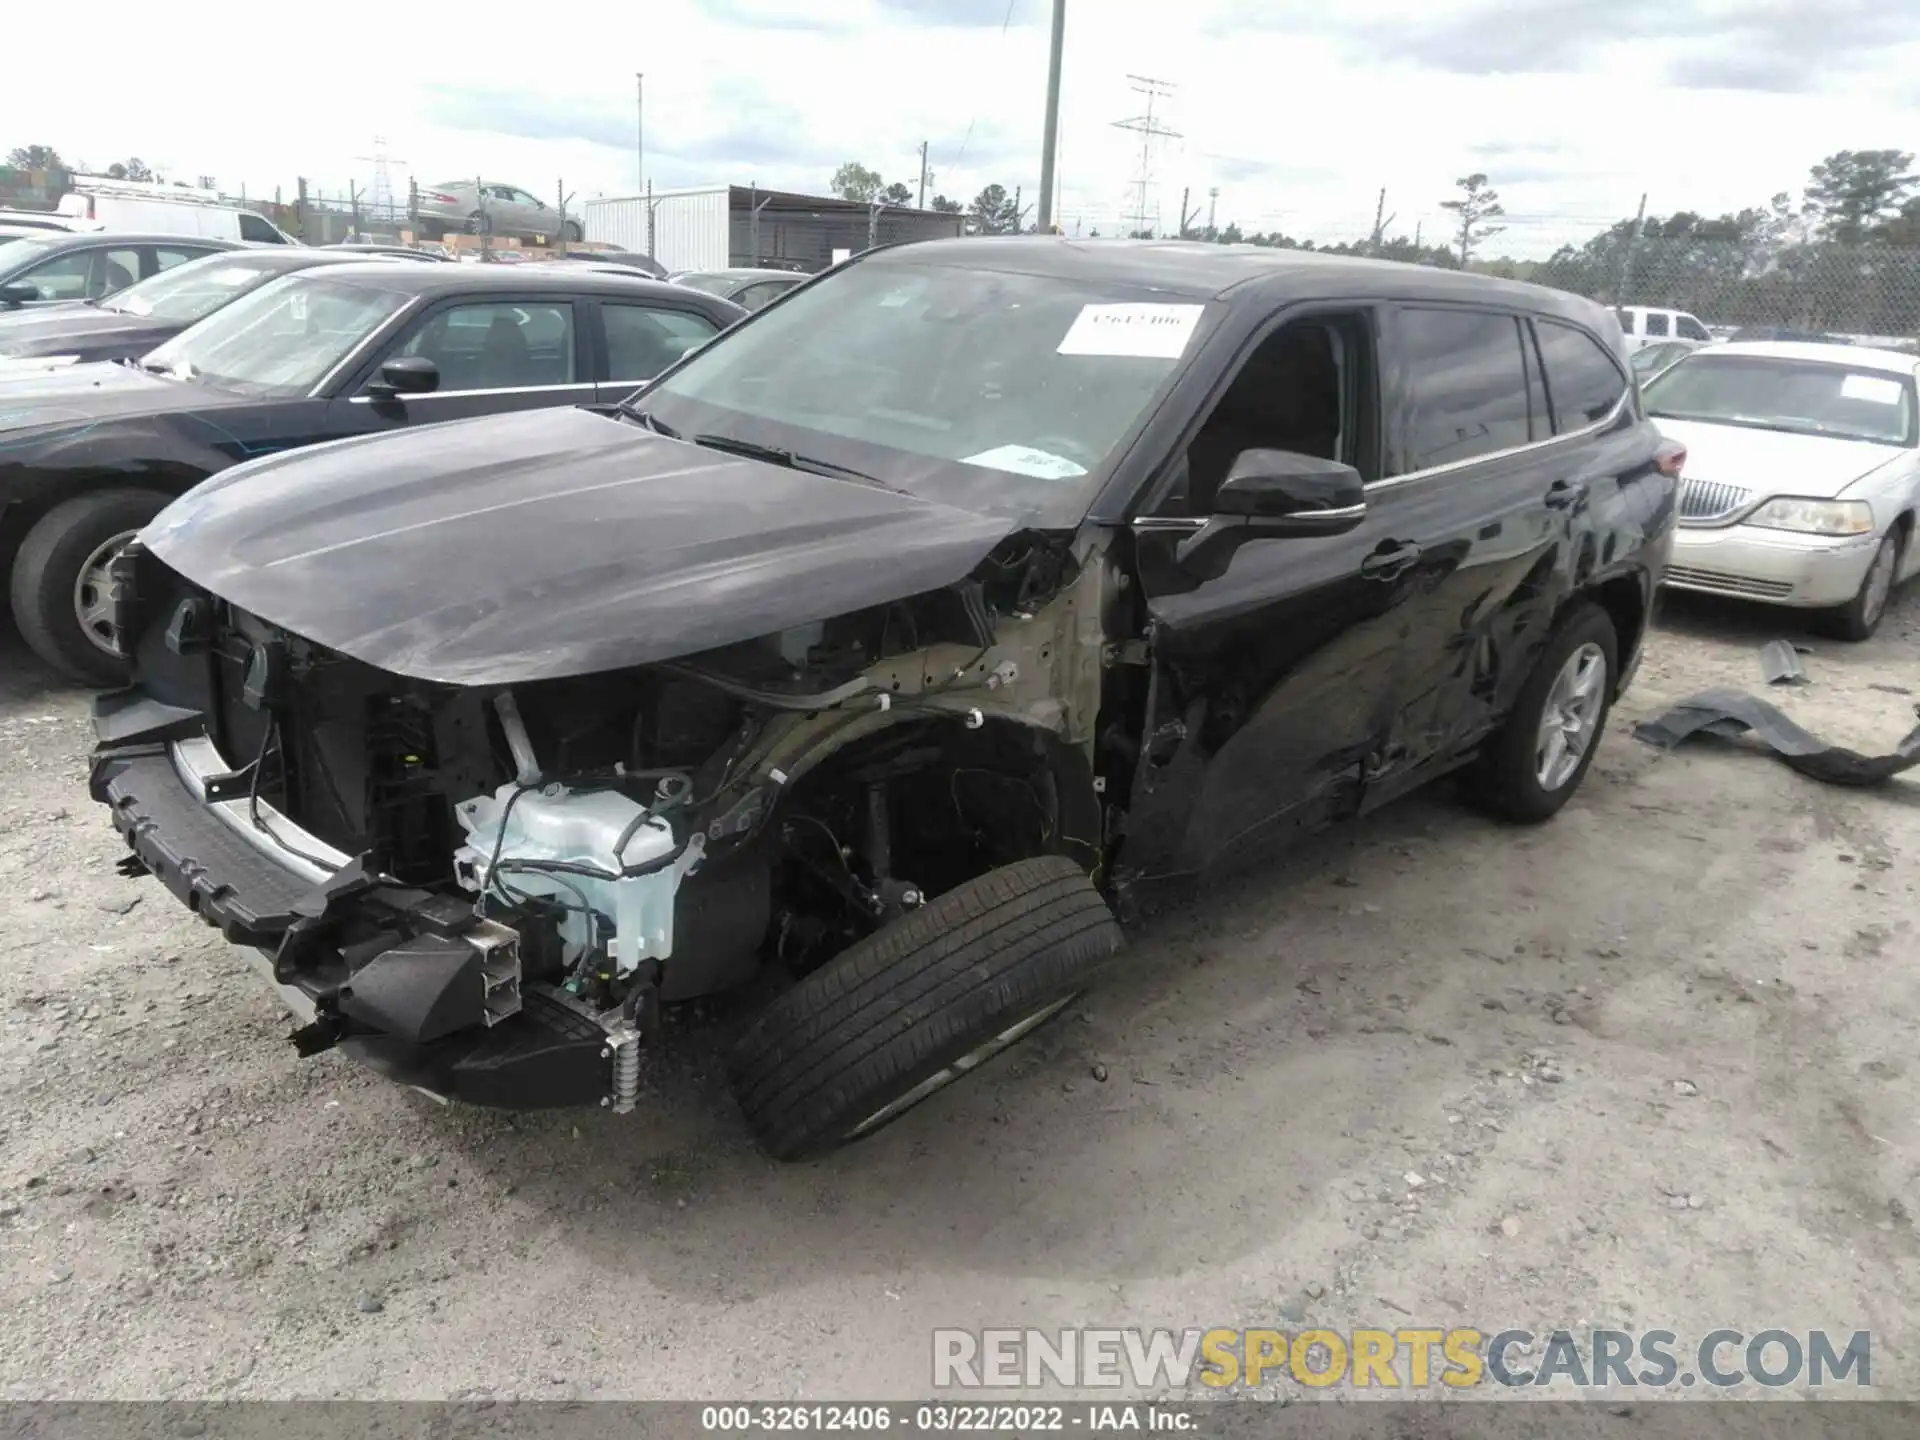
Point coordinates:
[[1730, 714], [1780, 664]]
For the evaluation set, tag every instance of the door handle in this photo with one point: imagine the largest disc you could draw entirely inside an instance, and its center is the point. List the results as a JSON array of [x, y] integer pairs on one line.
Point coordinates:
[[1564, 494], [1389, 562]]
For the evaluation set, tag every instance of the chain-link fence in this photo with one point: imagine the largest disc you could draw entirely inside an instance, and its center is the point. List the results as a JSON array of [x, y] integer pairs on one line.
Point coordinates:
[[1864, 292]]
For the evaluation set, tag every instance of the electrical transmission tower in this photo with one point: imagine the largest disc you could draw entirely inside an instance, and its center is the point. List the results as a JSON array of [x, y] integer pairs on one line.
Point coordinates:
[[380, 202], [1149, 130]]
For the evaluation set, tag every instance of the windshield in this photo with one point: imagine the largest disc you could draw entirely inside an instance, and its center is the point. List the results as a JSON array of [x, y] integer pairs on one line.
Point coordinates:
[[280, 340], [1803, 397], [989, 390], [198, 288], [17, 252]]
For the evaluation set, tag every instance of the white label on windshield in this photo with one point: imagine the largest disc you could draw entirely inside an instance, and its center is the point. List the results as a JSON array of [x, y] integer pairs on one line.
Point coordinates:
[[1875, 388], [1152, 332], [1024, 460]]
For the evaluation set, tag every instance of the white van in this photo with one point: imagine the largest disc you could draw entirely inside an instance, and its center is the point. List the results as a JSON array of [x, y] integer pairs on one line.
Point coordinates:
[[165, 210], [1648, 325]]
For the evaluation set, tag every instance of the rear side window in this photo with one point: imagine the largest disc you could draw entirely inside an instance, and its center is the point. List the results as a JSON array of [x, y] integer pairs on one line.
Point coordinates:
[[1583, 383], [1466, 385], [1656, 323]]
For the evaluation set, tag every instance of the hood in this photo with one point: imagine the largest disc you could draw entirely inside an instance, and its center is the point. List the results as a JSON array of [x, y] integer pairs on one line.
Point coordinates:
[[83, 330], [80, 394], [1772, 462], [549, 543]]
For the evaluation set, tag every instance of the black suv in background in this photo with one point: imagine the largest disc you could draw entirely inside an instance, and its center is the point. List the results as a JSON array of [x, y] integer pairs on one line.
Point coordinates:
[[876, 650]]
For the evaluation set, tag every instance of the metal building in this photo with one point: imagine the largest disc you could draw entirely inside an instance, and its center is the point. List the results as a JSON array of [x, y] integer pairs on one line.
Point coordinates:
[[717, 226]]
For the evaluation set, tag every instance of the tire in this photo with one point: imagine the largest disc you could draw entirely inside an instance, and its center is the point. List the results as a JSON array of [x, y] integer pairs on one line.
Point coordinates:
[[47, 573], [1507, 780], [915, 1005], [1860, 617], [478, 223]]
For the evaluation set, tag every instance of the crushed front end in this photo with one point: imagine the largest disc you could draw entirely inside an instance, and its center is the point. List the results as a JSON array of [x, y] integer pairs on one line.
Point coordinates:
[[489, 891]]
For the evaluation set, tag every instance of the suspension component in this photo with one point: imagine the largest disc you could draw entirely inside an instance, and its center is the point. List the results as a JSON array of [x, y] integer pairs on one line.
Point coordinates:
[[623, 1053]]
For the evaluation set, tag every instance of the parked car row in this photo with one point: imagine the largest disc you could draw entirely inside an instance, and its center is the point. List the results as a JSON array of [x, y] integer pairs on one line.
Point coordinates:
[[100, 428]]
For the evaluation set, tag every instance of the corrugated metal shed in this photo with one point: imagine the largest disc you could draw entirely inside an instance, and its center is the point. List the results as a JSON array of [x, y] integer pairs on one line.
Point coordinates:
[[717, 226]]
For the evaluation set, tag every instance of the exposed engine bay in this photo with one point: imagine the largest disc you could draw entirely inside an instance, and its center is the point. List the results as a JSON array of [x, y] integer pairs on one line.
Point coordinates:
[[584, 850]]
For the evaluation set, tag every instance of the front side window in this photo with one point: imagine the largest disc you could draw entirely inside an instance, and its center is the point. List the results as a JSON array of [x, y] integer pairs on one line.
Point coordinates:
[[191, 292], [1801, 397], [282, 339], [252, 227], [497, 346], [1689, 328], [987, 388], [1466, 385], [85, 274], [1583, 383], [642, 341]]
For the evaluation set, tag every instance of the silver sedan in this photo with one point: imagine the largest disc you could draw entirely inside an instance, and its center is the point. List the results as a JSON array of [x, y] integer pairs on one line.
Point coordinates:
[[482, 207]]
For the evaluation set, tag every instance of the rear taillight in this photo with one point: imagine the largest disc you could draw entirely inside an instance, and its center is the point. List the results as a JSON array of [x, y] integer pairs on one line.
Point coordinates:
[[1671, 459], [437, 198]]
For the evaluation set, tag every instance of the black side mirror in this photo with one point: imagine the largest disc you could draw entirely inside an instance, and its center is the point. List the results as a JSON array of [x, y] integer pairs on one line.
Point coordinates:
[[1274, 494], [20, 292], [405, 375]]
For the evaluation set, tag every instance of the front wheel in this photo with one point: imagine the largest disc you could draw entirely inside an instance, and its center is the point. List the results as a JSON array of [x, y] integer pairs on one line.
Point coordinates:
[[60, 581], [1861, 616], [1537, 759], [919, 1003]]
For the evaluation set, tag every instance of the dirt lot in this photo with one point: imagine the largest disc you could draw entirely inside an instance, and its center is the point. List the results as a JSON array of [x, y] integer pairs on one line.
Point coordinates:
[[1652, 1065]]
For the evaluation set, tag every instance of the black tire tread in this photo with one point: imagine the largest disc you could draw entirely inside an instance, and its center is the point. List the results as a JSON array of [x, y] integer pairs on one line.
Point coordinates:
[[45, 619], [864, 1027]]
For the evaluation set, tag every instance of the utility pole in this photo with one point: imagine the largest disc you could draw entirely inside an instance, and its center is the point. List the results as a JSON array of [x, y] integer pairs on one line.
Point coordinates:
[[1050, 139], [1149, 130], [1185, 191], [1016, 209], [640, 129], [1626, 257], [1213, 200], [923, 176], [1379, 210]]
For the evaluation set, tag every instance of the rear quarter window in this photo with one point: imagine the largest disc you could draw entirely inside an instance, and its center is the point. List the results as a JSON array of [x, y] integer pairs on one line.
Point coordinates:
[[1583, 383]]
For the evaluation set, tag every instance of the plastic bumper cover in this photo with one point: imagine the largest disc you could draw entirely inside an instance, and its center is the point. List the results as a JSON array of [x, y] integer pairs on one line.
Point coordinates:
[[1778, 566]]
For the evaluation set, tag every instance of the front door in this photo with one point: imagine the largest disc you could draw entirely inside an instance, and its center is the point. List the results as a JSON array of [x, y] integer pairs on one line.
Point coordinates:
[[1275, 682], [494, 354]]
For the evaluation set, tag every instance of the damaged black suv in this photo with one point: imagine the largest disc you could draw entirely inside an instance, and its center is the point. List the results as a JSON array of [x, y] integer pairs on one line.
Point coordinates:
[[875, 656]]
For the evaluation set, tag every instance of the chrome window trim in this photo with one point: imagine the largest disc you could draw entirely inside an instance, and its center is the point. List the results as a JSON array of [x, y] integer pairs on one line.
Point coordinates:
[[501, 390], [196, 759], [1612, 418]]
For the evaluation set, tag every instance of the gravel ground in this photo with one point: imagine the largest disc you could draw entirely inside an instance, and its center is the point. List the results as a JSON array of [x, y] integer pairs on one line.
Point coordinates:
[[1651, 1066]]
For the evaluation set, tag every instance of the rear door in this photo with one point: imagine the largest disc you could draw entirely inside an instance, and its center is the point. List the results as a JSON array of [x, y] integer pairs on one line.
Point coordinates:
[[1468, 421], [641, 337], [495, 353]]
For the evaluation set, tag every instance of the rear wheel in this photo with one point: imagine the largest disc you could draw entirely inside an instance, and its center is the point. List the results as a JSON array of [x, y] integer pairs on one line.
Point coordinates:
[[915, 1006], [60, 583], [479, 224], [1861, 616], [1537, 759]]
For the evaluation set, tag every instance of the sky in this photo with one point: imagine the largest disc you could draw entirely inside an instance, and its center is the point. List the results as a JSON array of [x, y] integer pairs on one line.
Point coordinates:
[[1299, 112]]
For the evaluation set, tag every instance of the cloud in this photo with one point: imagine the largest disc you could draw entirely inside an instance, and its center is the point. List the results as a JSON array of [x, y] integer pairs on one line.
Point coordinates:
[[961, 14], [1743, 44]]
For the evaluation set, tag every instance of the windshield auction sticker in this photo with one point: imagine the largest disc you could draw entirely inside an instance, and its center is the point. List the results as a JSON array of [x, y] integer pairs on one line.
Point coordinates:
[[1147, 332]]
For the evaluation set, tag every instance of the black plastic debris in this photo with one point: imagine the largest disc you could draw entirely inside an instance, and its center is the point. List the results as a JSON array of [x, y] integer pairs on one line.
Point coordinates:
[[1731, 715], [1780, 664]]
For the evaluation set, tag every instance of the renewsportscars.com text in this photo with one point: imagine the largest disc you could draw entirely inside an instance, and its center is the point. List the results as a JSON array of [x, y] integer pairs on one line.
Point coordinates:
[[1406, 1357]]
